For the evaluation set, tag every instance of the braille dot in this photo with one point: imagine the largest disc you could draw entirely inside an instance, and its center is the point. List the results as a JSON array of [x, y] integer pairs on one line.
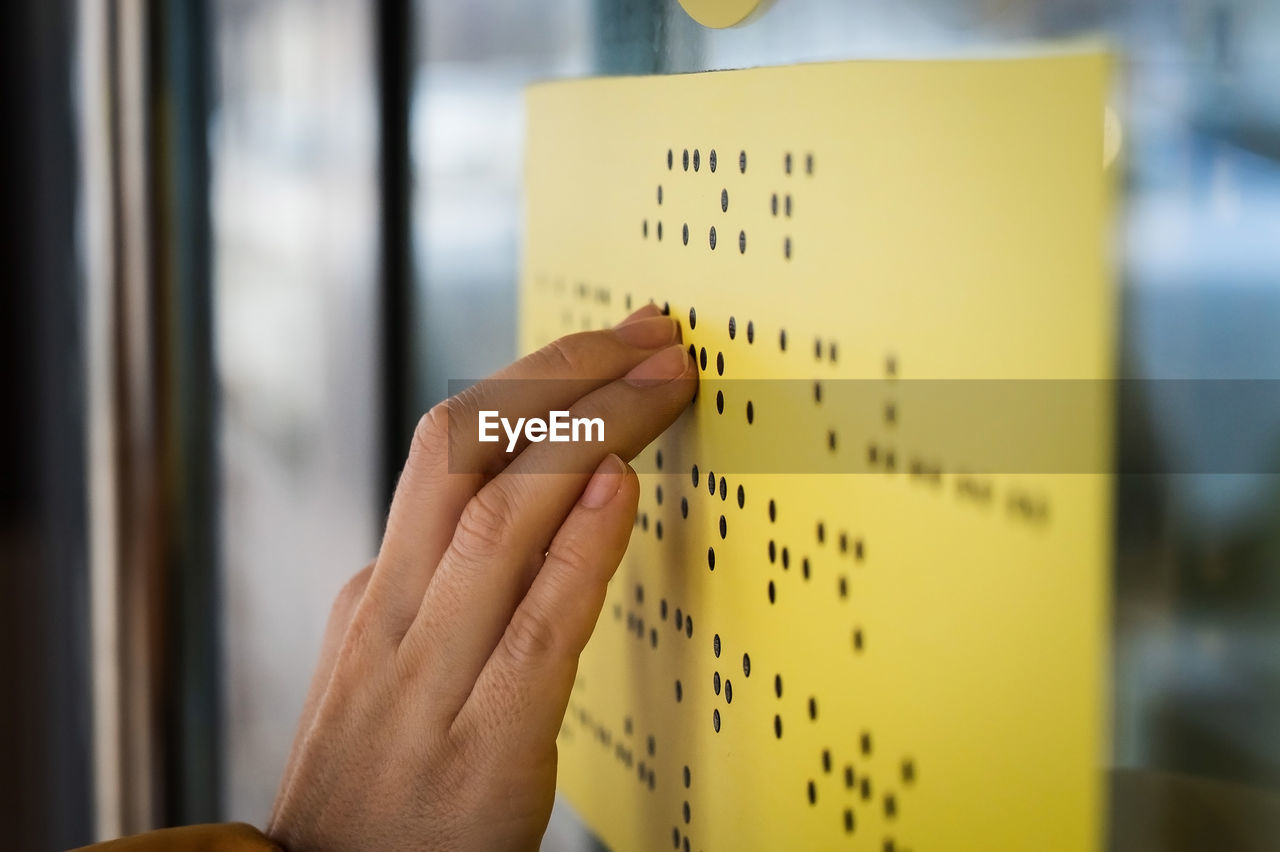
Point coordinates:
[[890, 413], [865, 788], [813, 708], [782, 340], [831, 352], [724, 201], [651, 782], [746, 665], [889, 459], [786, 558], [711, 558], [693, 318], [666, 309], [658, 459], [742, 497], [694, 473], [773, 204], [751, 332], [817, 392], [865, 743], [644, 522], [786, 248], [693, 353], [687, 778], [662, 609], [826, 760], [652, 745], [831, 440], [773, 511], [686, 159], [786, 163], [658, 494], [724, 529], [891, 365], [659, 193], [844, 542], [817, 348], [772, 592], [804, 567], [742, 242], [679, 691], [669, 159], [786, 205], [715, 720], [813, 793], [908, 771], [742, 162], [702, 358], [629, 295], [751, 412], [889, 845], [844, 587], [686, 844], [720, 363], [808, 164], [711, 483], [684, 233], [711, 160], [675, 838], [848, 821], [773, 552], [777, 685], [645, 229], [686, 813], [715, 644], [697, 159], [777, 726], [822, 532], [713, 237], [857, 640], [890, 806], [659, 231], [653, 636], [848, 776], [719, 402], [728, 691], [733, 328], [684, 507], [724, 488]]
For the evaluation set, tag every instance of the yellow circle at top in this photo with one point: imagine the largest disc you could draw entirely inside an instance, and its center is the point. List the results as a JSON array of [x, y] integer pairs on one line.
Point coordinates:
[[719, 14]]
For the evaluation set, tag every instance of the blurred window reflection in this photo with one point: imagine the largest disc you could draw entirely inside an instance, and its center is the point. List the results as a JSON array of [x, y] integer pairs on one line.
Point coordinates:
[[294, 155]]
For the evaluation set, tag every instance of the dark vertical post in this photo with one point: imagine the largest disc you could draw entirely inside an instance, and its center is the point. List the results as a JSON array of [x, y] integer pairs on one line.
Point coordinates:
[[395, 67], [179, 56], [45, 713]]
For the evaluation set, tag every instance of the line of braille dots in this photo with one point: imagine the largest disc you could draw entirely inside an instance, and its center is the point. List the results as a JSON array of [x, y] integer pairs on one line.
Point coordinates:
[[696, 161]]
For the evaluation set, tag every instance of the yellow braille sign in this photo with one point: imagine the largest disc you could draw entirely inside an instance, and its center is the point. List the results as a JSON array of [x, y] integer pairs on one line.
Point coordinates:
[[909, 654]]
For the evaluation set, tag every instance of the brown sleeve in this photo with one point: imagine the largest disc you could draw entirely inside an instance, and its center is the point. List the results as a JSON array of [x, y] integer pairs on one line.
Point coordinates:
[[231, 837]]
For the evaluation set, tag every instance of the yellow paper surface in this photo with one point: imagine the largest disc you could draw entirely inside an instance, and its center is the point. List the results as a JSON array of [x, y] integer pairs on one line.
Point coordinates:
[[952, 640]]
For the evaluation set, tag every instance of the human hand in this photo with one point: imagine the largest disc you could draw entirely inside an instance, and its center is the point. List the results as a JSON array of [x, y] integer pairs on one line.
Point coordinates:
[[447, 663]]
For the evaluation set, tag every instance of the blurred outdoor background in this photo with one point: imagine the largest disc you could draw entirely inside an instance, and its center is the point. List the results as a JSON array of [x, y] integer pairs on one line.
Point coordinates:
[[248, 242]]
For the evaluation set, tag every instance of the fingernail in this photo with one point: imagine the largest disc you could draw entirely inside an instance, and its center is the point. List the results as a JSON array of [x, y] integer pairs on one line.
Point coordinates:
[[648, 333], [604, 483], [660, 368], [649, 310]]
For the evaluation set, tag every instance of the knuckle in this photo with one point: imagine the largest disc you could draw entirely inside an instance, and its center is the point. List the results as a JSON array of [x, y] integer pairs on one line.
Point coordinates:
[[485, 523], [432, 432], [573, 556], [563, 354], [531, 637]]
